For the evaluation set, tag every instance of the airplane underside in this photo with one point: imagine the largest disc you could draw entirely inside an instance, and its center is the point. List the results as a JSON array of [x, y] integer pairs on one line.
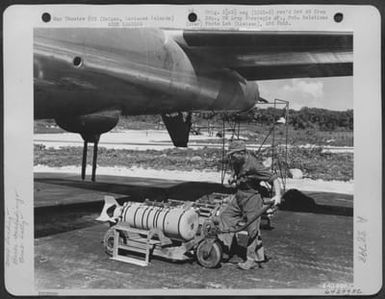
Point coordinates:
[[85, 78], [92, 126]]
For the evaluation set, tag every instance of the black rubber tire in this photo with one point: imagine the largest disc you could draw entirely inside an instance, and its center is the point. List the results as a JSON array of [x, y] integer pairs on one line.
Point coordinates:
[[108, 241], [214, 258]]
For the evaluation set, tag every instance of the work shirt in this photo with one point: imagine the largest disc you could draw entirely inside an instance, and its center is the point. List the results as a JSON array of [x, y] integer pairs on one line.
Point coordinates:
[[252, 173]]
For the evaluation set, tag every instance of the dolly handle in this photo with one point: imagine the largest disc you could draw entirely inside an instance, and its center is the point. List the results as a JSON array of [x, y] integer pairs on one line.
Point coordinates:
[[267, 205], [268, 202]]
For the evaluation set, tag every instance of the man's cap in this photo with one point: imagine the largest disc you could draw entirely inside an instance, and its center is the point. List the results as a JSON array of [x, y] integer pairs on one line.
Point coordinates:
[[236, 146]]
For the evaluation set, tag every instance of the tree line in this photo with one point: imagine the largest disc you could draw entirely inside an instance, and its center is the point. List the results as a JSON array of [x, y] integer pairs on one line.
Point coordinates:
[[309, 118], [305, 118]]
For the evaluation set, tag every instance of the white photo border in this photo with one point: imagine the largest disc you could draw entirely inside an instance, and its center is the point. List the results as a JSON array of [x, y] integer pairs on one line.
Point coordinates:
[[20, 20]]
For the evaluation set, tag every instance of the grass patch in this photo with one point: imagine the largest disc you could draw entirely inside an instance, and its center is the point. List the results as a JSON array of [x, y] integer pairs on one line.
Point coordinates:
[[313, 162]]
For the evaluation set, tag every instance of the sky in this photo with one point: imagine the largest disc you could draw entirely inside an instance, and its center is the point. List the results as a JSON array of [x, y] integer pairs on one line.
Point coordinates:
[[333, 93]]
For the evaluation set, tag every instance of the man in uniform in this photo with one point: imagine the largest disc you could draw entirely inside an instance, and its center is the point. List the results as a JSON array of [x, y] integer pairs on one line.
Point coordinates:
[[247, 202]]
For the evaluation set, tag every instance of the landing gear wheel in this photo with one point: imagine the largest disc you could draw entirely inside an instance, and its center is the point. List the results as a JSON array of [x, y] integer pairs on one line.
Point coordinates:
[[108, 240], [209, 253]]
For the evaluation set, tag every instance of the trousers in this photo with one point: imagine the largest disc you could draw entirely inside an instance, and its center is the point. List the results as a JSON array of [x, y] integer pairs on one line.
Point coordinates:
[[244, 206]]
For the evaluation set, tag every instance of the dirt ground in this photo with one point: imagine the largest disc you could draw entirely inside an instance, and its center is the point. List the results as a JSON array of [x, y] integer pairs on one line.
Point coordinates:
[[310, 245]]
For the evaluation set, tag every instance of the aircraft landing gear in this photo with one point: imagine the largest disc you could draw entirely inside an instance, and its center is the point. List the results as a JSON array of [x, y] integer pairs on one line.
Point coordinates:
[[90, 127], [95, 140]]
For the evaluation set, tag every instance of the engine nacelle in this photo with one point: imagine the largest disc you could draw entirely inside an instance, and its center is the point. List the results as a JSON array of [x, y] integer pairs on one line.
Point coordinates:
[[234, 93], [90, 124]]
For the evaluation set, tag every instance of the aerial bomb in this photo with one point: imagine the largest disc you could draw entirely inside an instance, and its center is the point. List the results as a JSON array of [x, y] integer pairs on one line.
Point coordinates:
[[176, 222]]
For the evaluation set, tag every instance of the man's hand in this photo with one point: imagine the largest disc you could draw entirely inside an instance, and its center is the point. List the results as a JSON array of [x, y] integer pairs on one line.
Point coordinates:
[[231, 181], [276, 199], [231, 184], [235, 180]]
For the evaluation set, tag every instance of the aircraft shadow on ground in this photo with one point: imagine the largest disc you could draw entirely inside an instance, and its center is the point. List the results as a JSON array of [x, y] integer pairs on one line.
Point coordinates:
[[293, 199], [187, 191], [75, 215], [68, 216]]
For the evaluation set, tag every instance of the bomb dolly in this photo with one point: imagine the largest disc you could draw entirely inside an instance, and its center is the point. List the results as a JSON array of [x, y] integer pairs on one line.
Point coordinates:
[[175, 230]]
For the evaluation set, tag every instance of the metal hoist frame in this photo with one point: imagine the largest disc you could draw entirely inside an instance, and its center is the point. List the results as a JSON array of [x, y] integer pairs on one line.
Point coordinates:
[[279, 149]]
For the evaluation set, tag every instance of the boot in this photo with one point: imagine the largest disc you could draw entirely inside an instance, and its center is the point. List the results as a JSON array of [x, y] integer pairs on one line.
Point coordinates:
[[235, 259], [264, 260], [247, 265]]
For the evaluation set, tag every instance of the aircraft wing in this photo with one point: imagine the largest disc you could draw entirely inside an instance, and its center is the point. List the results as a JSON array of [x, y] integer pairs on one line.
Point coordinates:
[[271, 55], [85, 77]]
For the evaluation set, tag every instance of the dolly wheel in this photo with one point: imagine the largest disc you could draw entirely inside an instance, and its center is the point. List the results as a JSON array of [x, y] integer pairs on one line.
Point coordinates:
[[209, 254], [108, 240]]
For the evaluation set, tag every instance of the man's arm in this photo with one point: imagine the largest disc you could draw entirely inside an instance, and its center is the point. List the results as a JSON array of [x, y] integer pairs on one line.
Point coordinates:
[[277, 191]]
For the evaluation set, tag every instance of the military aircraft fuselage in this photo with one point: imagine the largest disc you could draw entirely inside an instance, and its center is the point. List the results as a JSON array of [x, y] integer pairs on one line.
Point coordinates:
[[85, 78], [135, 71]]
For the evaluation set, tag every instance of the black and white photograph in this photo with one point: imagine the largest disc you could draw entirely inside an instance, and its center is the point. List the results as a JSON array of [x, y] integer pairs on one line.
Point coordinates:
[[213, 155]]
